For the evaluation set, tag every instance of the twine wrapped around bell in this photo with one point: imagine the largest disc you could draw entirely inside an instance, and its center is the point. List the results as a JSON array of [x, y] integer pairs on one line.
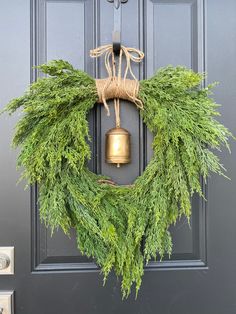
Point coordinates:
[[118, 146]]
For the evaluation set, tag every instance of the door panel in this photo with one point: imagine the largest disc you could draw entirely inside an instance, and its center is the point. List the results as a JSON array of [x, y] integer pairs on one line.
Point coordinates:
[[189, 247], [51, 275]]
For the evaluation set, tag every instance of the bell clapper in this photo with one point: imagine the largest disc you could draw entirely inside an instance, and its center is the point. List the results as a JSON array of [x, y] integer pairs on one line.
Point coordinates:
[[118, 165]]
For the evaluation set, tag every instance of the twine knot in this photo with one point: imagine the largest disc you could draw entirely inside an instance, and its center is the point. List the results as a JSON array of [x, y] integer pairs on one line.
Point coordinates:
[[114, 86]]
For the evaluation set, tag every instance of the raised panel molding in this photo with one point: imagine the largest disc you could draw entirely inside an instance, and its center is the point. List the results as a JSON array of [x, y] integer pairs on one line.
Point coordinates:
[[175, 34], [66, 40], [48, 16], [46, 254], [52, 37]]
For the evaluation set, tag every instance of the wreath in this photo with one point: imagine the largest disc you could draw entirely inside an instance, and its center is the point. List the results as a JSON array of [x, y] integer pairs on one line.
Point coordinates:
[[121, 227]]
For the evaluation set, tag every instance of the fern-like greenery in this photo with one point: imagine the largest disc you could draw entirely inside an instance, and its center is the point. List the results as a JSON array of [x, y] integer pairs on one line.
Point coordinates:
[[121, 227]]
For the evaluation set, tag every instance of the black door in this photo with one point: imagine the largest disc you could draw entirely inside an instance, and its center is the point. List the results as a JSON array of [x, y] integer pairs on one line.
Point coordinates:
[[51, 276]]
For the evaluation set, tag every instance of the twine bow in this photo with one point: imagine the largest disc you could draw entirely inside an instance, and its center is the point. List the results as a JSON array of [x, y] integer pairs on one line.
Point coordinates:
[[122, 85]]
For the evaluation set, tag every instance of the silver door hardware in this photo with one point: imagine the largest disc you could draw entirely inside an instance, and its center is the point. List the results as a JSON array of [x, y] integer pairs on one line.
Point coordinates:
[[6, 302], [6, 261]]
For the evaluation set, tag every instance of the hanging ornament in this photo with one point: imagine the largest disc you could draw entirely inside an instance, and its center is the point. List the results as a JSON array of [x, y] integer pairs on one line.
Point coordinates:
[[118, 146]]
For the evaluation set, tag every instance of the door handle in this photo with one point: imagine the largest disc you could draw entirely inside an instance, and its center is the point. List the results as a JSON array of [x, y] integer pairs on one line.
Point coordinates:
[[1, 310], [6, 260]]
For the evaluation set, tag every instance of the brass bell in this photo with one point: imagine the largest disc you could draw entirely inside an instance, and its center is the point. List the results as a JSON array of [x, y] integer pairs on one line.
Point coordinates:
[[118, 146]]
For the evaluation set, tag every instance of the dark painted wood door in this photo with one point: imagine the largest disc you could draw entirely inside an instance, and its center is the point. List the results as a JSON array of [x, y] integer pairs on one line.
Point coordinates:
[[51, 277]]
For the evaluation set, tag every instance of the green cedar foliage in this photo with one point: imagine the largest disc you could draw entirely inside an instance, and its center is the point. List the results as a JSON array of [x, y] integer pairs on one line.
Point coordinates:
[[121, 227]]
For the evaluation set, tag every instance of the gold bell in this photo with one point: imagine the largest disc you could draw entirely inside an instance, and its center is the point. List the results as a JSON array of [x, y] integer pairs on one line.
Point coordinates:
[[118, 146]]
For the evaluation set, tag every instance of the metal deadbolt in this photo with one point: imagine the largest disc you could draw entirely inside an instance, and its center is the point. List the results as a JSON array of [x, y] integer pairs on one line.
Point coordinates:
[[4, 261], [6, 302]]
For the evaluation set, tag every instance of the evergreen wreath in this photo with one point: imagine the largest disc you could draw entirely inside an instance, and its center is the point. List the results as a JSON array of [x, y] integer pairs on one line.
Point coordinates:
[[121, 227]]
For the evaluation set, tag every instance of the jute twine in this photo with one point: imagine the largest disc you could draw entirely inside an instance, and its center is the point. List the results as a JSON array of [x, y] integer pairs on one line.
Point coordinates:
[[115, 86]]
